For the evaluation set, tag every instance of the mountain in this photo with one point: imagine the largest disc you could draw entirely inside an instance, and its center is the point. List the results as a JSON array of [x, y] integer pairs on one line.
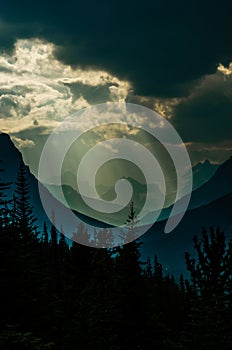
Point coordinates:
[[214, 199], [11, 157], [202, 172], [219, 185], [170, 247], [78, 202]]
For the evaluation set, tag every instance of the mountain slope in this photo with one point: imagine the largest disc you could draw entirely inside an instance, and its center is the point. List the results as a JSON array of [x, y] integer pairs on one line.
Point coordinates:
[[11, 158], [171, 247], [218, 186], [202, 173]]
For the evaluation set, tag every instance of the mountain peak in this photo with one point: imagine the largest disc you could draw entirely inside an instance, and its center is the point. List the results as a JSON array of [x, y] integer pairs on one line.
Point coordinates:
[[225, 168], [9, 154], [5, 136]]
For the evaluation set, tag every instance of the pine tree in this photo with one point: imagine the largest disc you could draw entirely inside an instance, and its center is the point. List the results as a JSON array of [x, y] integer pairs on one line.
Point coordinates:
[[24, 215], [211, 274], [103, 238], [4, 203], [81, 235], [158, 272], [45, 234], [23, 224], [8, 251], [54, 237], [131, 222], [98, 304], [54, 259], [212, 271], [132, 288], [148, 270]]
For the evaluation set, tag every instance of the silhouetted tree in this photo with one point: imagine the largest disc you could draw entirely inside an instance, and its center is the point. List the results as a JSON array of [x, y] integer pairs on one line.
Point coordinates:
[[209, 323], [11, 338], [132, 287], [81, 235], [4, 203], [45, 234], [211, 273], [24, 215]]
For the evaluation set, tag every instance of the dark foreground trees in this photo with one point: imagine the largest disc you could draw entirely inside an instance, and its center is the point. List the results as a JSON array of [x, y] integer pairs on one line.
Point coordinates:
[[93, 298], [210, 321], [59, 296]]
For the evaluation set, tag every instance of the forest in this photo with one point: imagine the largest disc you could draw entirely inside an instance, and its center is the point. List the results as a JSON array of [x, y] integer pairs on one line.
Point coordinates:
[[64, 296]]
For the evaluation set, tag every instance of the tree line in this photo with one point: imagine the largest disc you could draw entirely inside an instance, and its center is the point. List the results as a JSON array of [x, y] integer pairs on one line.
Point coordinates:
[[61, 296]]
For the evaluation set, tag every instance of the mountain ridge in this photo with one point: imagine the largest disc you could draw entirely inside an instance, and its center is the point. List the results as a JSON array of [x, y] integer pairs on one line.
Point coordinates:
[[169, 247]]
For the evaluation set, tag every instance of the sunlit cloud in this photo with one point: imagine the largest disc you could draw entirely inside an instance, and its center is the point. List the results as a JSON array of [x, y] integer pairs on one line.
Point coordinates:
[[34, 85], [23, 143], [225, 70], [37, 92], [163, 106]]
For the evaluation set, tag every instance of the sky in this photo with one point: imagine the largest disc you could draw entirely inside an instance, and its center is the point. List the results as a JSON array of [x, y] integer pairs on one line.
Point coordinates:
[[174, 57]]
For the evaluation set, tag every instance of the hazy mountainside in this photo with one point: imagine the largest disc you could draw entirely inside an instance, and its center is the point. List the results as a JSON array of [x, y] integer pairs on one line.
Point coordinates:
[[202, 172], [171, 247], [214, 199], [11, 157], [78, 202], [219, 185]]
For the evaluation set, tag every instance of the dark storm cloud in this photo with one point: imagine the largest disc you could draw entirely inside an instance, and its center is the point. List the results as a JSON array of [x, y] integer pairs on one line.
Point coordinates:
[[216, 152], [162, 47], [92, 94], [206, 115]]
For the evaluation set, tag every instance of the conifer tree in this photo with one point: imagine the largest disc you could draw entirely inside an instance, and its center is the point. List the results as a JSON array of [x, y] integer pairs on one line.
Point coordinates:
[[81, 235], [4, 203], [27, 245], [24, 215], [98, 303], [209, 323], [45, 234], [131, 282], [212, 271]]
